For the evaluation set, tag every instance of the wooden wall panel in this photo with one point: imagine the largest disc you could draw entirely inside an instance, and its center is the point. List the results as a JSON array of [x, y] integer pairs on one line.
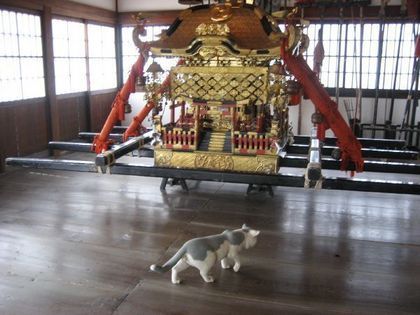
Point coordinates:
[[72, 111], [27, 126], [7, 136], [100, 106], [24, 125], [31, 127], [23, 128]]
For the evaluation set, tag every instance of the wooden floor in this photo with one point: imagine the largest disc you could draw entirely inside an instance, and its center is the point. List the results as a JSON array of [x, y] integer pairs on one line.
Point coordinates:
[[73, 243]]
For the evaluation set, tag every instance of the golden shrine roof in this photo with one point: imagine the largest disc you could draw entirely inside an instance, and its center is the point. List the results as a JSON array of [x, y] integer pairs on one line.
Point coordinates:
[[243, 30]]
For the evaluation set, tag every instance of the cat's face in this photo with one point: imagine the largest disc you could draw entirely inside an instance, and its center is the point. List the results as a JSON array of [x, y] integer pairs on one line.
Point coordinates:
[[251, 237]]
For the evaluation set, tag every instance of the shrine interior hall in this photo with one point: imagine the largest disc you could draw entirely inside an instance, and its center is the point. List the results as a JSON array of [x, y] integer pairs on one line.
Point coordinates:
[[128, 127]]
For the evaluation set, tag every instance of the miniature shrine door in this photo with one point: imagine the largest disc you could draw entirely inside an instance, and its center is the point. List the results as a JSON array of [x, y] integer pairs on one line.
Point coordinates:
[[222, 115]]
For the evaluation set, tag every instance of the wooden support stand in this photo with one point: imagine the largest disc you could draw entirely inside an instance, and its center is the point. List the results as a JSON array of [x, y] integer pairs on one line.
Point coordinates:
[[172, 182], [260, 188]]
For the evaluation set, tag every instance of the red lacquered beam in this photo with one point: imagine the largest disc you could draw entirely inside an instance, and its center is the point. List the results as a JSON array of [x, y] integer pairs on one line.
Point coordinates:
[[349, 145]]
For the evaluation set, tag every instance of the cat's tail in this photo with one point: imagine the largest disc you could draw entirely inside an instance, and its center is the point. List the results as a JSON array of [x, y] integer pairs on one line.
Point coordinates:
[[157, 268], [170, 263]]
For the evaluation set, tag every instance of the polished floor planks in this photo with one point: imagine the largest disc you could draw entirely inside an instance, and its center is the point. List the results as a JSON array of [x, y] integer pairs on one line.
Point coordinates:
[[74, 243]]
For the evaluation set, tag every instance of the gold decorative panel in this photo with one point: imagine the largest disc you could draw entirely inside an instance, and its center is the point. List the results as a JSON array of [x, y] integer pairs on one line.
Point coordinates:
[[212, 29], [220, 83], [220, 162], [217, 161]]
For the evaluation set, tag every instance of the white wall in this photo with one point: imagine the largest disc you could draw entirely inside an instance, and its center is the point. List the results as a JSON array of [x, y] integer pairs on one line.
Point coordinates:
[[137, 102]]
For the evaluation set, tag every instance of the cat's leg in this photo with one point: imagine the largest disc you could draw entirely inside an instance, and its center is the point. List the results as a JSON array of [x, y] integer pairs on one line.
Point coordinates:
[[225, 263], [205, 275], [237, 264], [206, 265], [234, 254], [180, 266]]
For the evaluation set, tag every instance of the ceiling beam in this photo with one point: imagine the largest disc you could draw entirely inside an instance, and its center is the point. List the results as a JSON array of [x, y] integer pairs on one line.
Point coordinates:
[[331, 14], [152, 17], [65, 8]]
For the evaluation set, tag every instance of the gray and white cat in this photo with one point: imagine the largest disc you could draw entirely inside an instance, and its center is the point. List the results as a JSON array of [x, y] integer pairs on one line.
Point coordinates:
[[203, 253]]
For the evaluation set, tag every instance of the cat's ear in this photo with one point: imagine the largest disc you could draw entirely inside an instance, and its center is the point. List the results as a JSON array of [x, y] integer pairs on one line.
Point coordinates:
[[245, 227], [254, 233]]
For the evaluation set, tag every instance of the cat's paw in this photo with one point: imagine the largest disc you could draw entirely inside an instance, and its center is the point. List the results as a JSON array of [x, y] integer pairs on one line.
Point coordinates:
[[236, 267], [209, 279], [226, 266], [177, 281]]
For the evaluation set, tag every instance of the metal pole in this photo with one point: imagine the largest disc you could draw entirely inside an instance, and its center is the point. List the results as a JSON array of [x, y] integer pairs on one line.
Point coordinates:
[[378, 74], [378, 66], [337, 78], [391, 110], [345, 56], [418, 135], [415, 102], [358, 111], [414, 79]]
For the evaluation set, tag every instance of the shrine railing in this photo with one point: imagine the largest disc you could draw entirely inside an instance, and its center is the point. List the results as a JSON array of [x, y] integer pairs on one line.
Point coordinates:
[[252, 143], [178, 138]]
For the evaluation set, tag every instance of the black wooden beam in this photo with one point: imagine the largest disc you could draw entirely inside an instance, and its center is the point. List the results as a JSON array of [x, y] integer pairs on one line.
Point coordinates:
[[70, 146], [272, 180], [117, 137], [369, 166], [109, 157], [396, 187], [365, 142], [366, 152], [119, 129], [204, 175], [64, 165]]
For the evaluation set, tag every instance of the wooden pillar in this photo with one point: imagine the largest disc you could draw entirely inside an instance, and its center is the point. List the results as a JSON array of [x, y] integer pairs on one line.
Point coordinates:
[[197, 108], [119, 55], [182, 111], [233, 116], [172, 107], [2, 162], [259, 119], [299, 122], [53, 123]]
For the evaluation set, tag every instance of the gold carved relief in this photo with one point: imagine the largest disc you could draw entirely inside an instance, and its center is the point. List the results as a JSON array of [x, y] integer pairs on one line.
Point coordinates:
[[163, 158], [211, 52], [220, 83], [212, 29], [221, 124], [265, 166], [214, 161]]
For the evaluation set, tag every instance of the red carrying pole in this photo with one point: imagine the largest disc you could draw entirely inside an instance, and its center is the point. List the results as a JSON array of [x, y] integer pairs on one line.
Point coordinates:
[[132, 130], [348, 143], [101, 142]]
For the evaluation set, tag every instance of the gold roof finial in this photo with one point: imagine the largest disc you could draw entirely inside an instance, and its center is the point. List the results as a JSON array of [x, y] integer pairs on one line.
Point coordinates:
[[221, 12]]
